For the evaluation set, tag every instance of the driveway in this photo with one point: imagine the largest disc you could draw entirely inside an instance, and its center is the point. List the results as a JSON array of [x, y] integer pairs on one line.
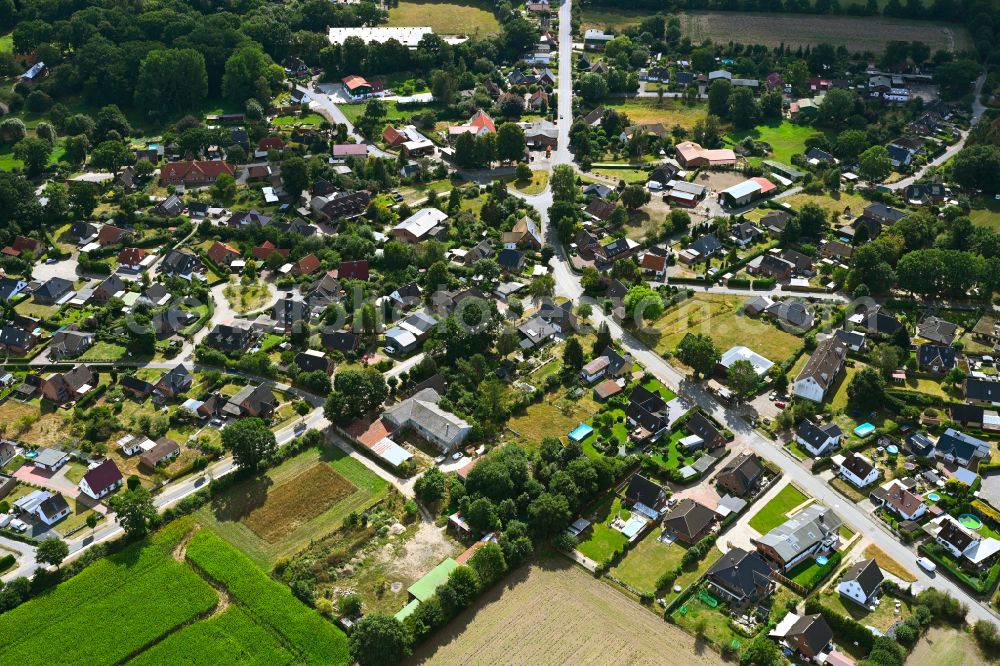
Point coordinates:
[[65, 269], [55, 481]]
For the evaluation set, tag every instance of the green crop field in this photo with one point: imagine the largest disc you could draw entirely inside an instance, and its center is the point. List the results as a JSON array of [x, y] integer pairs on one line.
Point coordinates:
[[111, 610], [154, 603], [230, 637], [304, 498], [267, 603]]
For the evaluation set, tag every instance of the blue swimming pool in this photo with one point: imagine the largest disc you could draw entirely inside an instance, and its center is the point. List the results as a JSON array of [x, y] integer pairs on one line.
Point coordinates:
[[933, 497], [864, 430], [822, 560], [892, 449], [581, 432]]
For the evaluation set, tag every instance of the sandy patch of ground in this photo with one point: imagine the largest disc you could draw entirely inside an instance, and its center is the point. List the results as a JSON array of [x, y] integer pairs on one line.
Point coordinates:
[[421, 553]]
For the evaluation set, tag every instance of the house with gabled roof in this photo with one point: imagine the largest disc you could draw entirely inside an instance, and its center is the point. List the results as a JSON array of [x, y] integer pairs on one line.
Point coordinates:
[[742, 475], [175, 381], [809, 635], [813, 530], [936, 359], [858, 470], [646, 497], [937, 330], [101, 480], [818, 439], [424, 415], [821, 371], [896, 498], [862, 582], [740, 577], [982, 390]]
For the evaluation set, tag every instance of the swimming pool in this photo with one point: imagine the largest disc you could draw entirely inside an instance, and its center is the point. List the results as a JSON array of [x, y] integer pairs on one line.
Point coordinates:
[[864, 430], [822, 560], [581, 432], [934, 497], [892, 449], [970, 521]]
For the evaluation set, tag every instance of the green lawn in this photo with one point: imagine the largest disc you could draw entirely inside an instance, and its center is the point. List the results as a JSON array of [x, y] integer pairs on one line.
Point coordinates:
[[465, 17], [654, 385], [104, 351], [7, 43], [307, 119], [670, 112], [786, 139], [803, 572], [775, 511], [694, 614], [603, 541], [668, 455], [986, 212], [647, 561], [240, 515]]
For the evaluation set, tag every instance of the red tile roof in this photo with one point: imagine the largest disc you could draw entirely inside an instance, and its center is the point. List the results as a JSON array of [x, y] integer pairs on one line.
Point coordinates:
[[271, 143], [356, 270], [194, 171], [308, 264], [132, 256], [219, 253]]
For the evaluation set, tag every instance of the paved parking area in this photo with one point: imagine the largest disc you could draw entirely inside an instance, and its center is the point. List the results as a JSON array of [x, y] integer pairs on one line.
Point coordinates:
[[990, 490], [66, 269]]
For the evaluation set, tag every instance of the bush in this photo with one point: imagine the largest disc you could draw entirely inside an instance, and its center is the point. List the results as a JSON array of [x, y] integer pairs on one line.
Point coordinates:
[[986, 634]]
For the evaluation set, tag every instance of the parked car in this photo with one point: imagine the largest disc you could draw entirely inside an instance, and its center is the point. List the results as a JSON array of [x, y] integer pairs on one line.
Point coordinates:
[[5, 519], [926, 564], [457, 455], [440, 459], [779, 404], [18, 525], [300, 428]]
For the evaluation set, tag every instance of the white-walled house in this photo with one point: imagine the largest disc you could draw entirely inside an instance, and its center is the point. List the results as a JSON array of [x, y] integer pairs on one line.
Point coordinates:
[[101, 480], [862, 582], [857, 470], [821, 370], [818, 439]]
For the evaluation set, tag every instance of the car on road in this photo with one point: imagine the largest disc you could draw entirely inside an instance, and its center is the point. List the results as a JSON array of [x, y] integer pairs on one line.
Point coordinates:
[[440, 459], [926, 564], [300, 428]]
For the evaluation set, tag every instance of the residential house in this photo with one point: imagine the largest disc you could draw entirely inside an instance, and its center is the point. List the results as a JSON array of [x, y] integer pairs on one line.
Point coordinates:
[[131, 258], [742, 475], [180, 263], [757, 305], [886, 215], [480, 124], [614, 249], [101, 480], [698, 425], [264, 251], [646, 497], [247, 219], [409, 333], [49, 460], [654, 265], [137, 388], [598, 190], [165, 450], [802, 263], [691, 154], [792, 313], [900, 156], [876, 320], [422, 413], [197, 173], [257, 401], [289, 312], [313, 360], [175, 381], [67, 387], [963, 543], [702, 249], [172, 206], [967, 415], [47, 507], [684, 193], [956, 446], [156, 295], [599, 209], [11, 288], [524, 235], [936, 358], [406, 297], [937, 330], [816, 156], [223, 254], [818, 439], [986, 330], [112, 235], [346, 342], [855, 340], [821, 371], [740, 577], [171, 321], [809, 635], [896, 498], [836, 251], [646, 414], [307, 265], [52, 291], [22, 244], [536, 332], [69, 342], [811, 531], [510, 261], [862, 582], [238, 336], [744, 233], [342, 152], [596, 40], [982, 390], [688, 521], [346, 205], [17, 341], [857, 469], [424, 224], [609, 364], [771, 266], [354, 270]]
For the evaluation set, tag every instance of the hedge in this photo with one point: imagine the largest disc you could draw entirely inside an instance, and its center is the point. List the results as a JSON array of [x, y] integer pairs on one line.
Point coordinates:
[[6, 562], [849, 630], [91, 396], [764, 284]]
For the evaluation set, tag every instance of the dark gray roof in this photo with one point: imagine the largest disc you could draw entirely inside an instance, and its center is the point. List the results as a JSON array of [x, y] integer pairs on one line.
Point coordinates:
[[740, 572], [689, 518], [815, 434], [640, 489]]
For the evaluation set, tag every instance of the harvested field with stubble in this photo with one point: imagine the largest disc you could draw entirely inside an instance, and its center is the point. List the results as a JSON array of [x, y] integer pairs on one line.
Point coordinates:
[[298, 501], [556, 613], [869, 33]]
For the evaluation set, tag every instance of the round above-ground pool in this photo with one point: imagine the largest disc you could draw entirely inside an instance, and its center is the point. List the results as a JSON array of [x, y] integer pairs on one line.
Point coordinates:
[[31, 454], [892, 449], [822, 560], [970, 521], [934, 497]]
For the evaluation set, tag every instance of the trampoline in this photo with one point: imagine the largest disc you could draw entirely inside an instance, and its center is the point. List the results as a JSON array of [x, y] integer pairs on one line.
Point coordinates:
[[970, 521], [581, 432]]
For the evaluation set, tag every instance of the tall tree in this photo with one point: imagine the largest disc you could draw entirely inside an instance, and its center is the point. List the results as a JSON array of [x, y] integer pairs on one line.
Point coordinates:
[[698, 351], [250, 441], [171, 81]]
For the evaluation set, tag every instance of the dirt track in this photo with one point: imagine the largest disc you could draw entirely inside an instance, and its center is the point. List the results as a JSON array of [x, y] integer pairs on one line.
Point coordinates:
[[554, 613]]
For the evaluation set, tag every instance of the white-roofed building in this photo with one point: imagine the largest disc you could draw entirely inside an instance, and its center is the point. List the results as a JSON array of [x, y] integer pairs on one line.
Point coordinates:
[[740, 353], [420, 226]]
